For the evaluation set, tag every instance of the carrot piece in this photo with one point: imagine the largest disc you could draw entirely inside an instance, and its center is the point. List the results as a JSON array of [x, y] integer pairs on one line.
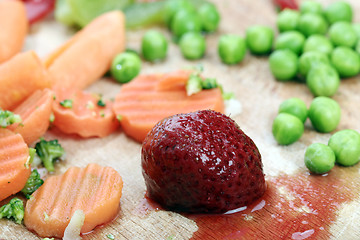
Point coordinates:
[[35, 113], [85, 117], [14, 27], [95, 190], [149, 98], [14, 171], [20, 77], [88, 54]]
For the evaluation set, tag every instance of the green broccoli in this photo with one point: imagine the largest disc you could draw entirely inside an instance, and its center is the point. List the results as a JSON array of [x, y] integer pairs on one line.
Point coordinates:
[[49, 151], [7, 118], [33, 183], [14, 209]]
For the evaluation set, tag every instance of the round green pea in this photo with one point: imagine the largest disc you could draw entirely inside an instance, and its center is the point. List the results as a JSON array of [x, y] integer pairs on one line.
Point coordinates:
[[319, 158], [296, 107], [192, 45], [287, 20], [311, 6], [209, 16], [356, 27], [324, 114], [125, 67], [311, 59], [342, 34], [346, 61], [154, 46], [292, 40], [318, 43], [338, 11], [357, 47], [283, 64], [185, 21], [323, 80], [259, 39], [311, 23], [346, 146], [287, 128], [173, 6], [231, 48]]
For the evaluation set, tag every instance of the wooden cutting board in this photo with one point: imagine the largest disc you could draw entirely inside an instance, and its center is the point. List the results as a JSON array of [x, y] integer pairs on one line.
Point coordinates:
[[297, 205]]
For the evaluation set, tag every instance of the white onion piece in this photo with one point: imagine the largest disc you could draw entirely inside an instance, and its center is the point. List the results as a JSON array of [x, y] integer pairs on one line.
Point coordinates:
[[72, 231]]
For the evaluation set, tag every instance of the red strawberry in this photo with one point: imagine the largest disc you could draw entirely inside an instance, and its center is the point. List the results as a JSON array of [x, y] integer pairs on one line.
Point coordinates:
[[201, 162]]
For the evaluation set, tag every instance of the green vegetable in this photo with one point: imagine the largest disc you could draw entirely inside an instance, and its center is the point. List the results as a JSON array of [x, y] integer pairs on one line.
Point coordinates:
[[324, 114], [185, 21], [192, 45], [283, 64], [66, 103], [49, 152], [110, 236], [231, 48], [323, 80], [338, 11], [209, 83], [296, 107], [292, 40], [346, 146], [356, 27], [357, 47], [318, 43], [209, 16], [287, 20], [343, 34], [7, 118], [154, 46], [193, 85], [32, 184], [101, 103], [311, 23], [311, 59], [319, 158], [173, 6], [14, 209], [346, 61], [259, 39], [125, 66], [310, 6], [287, 128]]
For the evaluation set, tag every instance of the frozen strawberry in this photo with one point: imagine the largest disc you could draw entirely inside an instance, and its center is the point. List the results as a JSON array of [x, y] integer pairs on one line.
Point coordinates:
[[201, 162]]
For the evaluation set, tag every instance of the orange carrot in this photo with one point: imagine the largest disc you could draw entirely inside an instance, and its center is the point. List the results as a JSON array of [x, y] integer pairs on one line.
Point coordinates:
[[20, 77], [95, 190], [149, 98], [35, 113], [88, 54], [14, 171], [14, 27], [85, 117]]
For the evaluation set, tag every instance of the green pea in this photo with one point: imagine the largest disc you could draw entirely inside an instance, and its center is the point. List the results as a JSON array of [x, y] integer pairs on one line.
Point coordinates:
[[287, 129], [185, 21], [311, 23], [338, 11], [346, 146], [192, 45], [342, 34], [231, 48], [287, 20], [356, 27], [259, 39], [357, 47], [311, 6], [292, 40], [154, 46], [318, 43], [173, 6], [283, 64], [319, 158], [296, 107], [346, 61], [311, 59], [324, 114], [125, 67], [209, 16], [323, 80]]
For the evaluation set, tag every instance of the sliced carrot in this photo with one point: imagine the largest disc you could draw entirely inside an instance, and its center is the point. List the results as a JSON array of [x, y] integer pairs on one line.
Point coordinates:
[[20, 77], [35, 113], [14, 171], [14, 27], [95, 190], [85, 117], [88, 54], [149, 98]]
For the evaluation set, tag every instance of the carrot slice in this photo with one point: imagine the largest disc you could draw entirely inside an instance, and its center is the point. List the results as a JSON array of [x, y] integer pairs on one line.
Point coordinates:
[[88, 54], [14, 27], [85, 117], [14, 154], [149, 98], [20, 77], [95, 190]]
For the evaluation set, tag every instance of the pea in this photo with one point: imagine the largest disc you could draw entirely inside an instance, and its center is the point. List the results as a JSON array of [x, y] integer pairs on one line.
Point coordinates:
[[296, 107], [342, 34], [283, 64], [185, 21], [173, 6], [311, 6], [357, 47], [311, 59], [338, 11], [154, 46], [287, 129], [346, 61], [231, 48], [125, 67], [259, 39], [356, 27], [311, 23], [346, 146], [287, 20], [324, 114], [318, 43], [209, 16], [292, 40], [319, 158], [192, 45], [323, 80]]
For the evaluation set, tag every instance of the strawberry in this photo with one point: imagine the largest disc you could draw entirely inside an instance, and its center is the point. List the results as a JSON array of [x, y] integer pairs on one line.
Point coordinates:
[[201, 162]]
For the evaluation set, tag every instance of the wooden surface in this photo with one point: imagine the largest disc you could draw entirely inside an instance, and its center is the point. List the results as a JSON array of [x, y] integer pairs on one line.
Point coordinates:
[[260, 95]]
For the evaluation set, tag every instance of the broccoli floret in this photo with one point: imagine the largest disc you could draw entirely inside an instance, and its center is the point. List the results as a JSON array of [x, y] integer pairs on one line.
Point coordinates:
[[33, 183], [7, 118], [49, 151], [14, 209]]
